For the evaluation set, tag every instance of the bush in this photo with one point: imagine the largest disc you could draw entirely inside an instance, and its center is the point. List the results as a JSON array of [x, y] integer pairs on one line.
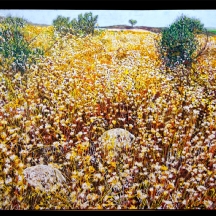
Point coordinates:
[[62, 24], [82, 26], [14, 49], [178, 44]]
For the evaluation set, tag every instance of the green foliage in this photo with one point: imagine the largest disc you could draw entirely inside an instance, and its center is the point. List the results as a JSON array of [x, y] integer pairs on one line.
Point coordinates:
[[178, 44], [82, 26], [132, 22], [14, 49], [62, 24]]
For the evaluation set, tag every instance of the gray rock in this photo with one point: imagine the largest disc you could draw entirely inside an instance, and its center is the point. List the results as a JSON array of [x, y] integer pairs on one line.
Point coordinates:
[[116, 139], [43, 177]]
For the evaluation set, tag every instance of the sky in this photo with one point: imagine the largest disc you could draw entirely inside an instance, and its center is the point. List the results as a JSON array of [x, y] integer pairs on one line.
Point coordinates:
[[151, 18]]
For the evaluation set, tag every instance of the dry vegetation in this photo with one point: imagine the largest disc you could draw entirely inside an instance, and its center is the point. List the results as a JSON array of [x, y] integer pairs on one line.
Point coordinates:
[[85, 86]]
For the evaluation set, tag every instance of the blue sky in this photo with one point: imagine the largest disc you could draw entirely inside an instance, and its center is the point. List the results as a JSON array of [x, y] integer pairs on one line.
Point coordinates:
[[151, 18]]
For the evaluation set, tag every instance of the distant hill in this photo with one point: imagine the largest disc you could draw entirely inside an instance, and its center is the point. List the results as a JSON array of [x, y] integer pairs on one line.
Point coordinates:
[[211, 30], [36, 24], [152, 29]]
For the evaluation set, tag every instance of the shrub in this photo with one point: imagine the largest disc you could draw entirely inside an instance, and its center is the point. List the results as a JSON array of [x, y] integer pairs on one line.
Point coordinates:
[[178, 44], [85, 24], [14, 49], [82, 26], [62, 24]]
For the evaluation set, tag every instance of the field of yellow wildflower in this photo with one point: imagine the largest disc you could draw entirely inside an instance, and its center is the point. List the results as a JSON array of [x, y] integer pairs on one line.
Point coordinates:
[[56, 112]]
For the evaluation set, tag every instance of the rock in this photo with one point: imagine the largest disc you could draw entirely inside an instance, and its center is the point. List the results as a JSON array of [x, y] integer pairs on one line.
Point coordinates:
[[43, 177], [116, 139]]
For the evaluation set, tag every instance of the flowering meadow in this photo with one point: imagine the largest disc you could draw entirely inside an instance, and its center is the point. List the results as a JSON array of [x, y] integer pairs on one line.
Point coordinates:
[[56, 111]]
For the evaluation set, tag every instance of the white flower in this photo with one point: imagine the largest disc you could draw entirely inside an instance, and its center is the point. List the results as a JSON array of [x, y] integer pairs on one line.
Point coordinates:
[[141, 195], [97, 176], [89, 197], [152, 177], [85, 186], [5, 170], [208, 203], [196, 112], [18, 116], [184, 202], [144, 149], [116, 197], [201, 188], [212, 136], [101, 188], [170, 175], [47, 126], [39, 145], [8, 180], [68, 155], [139, 164], [73, 194], [179, 194], [56, 144], [157, 167], [80, 173], [151, 189], [51, 158], [82, 195], [187, 184], [12, 157], [169, 204], [186, 108]]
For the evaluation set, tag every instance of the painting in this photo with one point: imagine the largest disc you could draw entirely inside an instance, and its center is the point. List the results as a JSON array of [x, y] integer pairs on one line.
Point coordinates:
[[107, 110]]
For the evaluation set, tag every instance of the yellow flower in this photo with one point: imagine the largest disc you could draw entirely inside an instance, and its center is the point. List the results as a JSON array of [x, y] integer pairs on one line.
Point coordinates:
[[3, 135], [114, 122], [113, 164], [37, 207], [91, 169], [3, 122], [132, 207], [164, 168]]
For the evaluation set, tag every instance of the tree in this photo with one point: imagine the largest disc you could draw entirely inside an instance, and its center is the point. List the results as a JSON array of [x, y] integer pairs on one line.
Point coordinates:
[[132, 22], [178, 44], [179, 49]]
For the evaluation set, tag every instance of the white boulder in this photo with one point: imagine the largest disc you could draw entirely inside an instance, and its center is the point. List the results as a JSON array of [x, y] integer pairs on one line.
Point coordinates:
[[43, 177], [116, 139]]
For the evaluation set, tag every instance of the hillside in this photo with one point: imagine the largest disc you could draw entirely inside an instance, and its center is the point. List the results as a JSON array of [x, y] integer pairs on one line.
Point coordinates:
[[152, 29]]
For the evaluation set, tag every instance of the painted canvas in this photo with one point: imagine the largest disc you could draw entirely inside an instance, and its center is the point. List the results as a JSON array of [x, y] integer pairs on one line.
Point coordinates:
[[107, 110]]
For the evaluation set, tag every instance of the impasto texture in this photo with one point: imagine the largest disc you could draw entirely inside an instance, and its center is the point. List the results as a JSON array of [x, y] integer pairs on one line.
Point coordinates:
[[98, 122]]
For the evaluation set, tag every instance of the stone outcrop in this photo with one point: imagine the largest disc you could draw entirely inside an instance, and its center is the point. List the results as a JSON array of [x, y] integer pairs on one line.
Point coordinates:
[[43, 177], [116, 139]]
